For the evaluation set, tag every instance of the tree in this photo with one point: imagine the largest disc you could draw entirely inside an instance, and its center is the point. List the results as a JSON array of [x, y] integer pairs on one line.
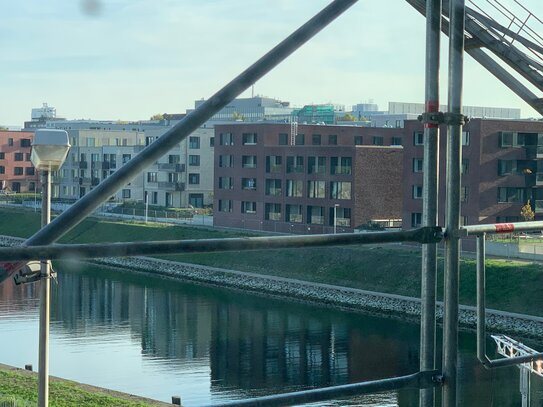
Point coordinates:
[[238, 117], [348, 118], [527, 213], [157, 116]]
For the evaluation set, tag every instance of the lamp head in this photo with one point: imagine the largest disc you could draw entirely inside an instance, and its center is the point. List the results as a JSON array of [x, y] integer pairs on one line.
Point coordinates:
[[49, 149]]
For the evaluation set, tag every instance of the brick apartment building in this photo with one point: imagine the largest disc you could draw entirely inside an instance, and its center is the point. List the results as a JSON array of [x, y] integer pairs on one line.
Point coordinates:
[[17, 174], [502, 168], [286, 178]]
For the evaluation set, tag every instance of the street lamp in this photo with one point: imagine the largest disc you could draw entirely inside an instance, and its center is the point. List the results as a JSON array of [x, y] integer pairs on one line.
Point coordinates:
[[335, 218], [49, 150]]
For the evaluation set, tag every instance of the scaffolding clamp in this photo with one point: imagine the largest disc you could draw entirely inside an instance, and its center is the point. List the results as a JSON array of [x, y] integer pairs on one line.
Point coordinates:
[[455, 119], [432, 118]]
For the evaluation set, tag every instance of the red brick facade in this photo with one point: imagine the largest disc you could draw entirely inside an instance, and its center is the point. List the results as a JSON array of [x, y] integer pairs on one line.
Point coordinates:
[[17, 174]]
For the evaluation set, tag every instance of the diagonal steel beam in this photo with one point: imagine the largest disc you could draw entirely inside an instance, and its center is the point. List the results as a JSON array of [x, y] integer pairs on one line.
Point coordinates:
[[86, 205]]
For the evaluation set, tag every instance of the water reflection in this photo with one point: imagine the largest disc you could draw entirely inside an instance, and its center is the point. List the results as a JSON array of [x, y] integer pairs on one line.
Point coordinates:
[[159, 338]]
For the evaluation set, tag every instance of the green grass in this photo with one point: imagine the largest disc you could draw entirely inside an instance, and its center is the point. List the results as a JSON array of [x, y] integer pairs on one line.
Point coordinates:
[[511, 285], [22, 388]]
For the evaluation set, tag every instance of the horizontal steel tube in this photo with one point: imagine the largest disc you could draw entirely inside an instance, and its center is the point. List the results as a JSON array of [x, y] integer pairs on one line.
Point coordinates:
[[64, 251], [417, 380], [501, 228], [517, 360]]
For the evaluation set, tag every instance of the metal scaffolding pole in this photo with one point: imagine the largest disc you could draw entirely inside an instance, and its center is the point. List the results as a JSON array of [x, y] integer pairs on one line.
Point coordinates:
[[87, 204], [430, 196], [455, 120]]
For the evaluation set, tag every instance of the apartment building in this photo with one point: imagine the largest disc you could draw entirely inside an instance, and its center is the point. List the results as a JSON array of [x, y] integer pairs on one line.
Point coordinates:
[[502, 168], [17, 174], [306, 178]]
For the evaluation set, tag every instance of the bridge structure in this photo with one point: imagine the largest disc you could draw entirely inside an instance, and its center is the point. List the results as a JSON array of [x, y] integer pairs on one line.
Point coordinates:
[[483, 35]]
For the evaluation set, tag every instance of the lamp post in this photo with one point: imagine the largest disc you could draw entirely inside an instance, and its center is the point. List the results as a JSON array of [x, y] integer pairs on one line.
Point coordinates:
[[335, 218], [49, 150]]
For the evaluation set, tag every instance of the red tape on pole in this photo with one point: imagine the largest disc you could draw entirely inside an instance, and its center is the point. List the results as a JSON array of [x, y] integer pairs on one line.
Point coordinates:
[[504, 227]]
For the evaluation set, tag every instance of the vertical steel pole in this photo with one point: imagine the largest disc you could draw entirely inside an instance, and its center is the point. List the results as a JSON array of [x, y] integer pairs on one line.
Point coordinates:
[[430, 198], [481, 302], [452, 240], [45, 300]]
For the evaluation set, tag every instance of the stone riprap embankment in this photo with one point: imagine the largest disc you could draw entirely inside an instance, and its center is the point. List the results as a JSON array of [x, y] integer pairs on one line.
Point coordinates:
[[298, 290]]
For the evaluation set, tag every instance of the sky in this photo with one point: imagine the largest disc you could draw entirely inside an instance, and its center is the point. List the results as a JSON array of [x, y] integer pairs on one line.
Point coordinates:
[[131, 59]]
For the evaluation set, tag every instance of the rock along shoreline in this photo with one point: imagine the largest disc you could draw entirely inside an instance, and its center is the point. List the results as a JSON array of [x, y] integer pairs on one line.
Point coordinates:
[[354, 300]]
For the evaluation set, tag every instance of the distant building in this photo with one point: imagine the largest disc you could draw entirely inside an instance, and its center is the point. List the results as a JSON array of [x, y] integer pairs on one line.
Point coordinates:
[[44, 112], [470, 111], [502, 168], [300, 179], [17, 174]]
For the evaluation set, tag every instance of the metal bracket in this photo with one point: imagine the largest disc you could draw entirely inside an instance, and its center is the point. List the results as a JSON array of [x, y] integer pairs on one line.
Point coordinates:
[[438, 378], [432, 118], [452, 119]]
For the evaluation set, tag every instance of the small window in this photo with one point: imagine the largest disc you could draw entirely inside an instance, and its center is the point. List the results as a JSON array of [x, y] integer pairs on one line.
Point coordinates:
[[316, 139], [396, 141], [248, 183], [2, 169], [299, 140], [226, 161], [248, 161], [226, 139], [283, 139], [194, 179], [340, 190], [377, 140], [464, 169], [225, 205], [273, 187], [27, 156], [194, 142], [465, 138], [248, 139], [10, 142], [152, 177], [226, 183], [19, 156], [316, 189], [194, 160], [464, 193], [212, 142], [332, 140], [18, 171], [272, 211], [418, 138], [273, 163], [2, 156], [126, 158], [30, 171], [358, 140], [248, 207], [25, 142], [417, 164], [417, 191], [126, 194], [416, 219]]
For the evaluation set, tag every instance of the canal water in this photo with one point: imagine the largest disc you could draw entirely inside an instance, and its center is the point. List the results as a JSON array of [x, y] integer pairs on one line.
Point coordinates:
[[158, 338]]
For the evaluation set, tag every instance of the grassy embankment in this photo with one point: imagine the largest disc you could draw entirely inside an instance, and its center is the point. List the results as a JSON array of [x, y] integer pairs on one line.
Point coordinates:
[[18, 388], [511, 285]]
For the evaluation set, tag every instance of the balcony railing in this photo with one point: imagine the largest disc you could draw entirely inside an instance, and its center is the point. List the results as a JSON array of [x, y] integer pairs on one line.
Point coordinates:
[[175, 167], [172, 186]]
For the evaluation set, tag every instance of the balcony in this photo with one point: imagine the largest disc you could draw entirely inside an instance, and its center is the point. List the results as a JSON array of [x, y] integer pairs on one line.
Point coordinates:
[[171, 186], [175, 167]]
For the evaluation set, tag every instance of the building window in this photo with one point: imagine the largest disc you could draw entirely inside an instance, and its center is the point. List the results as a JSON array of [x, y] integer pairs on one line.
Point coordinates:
[[152, 177], [316, 139], [154, 198], [464, 169], [25, 142], [16, 187], [2, 156], [126, 194], [378, 140], [226, 139], [2, 169], [295, 188], [417, 164], [340, 190], [248, 161], [293, 213], [175, 159], [248, 207], [416, 219], [18, 156], [194, 179], [342, 216], [341, 165], [226, 161], [272, 211], [316, 165], [212, 142], [226, 183], [196, 200], [194, 142], [225, 205], [295, 164], [32, 187], [332, 140], [299, 140], [283, 139], [512, 194], [417, 192], [168, 199], [464, 194], [316, 189], [418, 138], [10, 142], [396, 141], [194, 160], [358, 140], [273, 187], [510, 139], [126, 158], [18, 171], [273, 163], [315, 215], [248, 183], [465, 138], [30, 171], [90, 142], [248, 139]]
